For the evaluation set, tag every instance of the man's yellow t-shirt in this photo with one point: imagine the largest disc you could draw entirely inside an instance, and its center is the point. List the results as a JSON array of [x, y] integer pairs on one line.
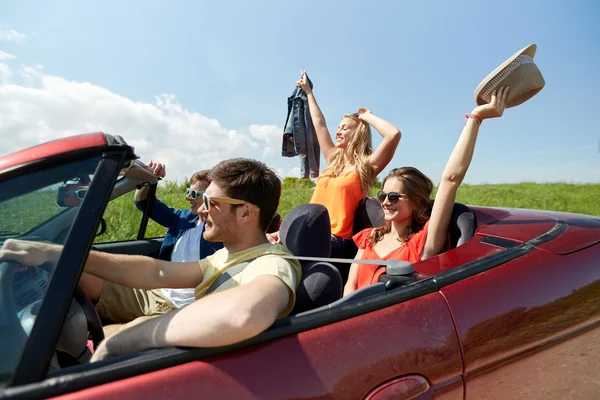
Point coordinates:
[[265, 261]]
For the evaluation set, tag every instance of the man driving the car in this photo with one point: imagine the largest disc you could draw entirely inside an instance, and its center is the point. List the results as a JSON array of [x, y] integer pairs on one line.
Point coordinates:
[[249, 283], [183, 242]]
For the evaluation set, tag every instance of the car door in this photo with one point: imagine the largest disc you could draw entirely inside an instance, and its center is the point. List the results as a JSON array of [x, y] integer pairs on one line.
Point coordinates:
[[396, 345], [529, 329]]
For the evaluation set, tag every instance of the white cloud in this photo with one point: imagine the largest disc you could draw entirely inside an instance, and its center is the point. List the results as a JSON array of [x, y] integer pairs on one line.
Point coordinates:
[[44, 107], [279, 171], [5, 73], [271, 135], [10, 35], [30, 74], [4, 56], [294, 172]]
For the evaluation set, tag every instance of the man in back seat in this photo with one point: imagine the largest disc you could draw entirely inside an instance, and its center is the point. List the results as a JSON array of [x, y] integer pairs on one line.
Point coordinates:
[[249, 283]]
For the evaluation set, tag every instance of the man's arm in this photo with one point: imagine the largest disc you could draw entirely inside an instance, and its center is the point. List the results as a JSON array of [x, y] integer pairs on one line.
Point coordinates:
[[159, 211], [128, 270], [143, 272], [220, 319]]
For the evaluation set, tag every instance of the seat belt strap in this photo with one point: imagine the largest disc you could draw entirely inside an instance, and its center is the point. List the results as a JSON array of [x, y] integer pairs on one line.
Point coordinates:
[[228, 274], [231, 272], [343, 260]]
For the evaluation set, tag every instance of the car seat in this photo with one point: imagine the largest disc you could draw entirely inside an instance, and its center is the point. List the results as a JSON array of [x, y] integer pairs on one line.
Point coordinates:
[[305, 231]]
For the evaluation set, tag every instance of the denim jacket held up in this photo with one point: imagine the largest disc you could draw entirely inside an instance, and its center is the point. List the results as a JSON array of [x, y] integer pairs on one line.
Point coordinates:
[[299, 137]]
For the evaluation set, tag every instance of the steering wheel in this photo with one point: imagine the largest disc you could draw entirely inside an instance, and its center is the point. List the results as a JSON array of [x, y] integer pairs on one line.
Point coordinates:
[[13, 334]]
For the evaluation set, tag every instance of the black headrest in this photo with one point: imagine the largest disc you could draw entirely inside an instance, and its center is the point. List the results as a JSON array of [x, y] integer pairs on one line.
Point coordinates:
[[306, 231], [369, 214]]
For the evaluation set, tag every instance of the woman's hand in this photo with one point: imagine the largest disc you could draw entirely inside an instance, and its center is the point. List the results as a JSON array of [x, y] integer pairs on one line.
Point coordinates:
[[303, 83], [495, 108], [363, 110], [364, 114]]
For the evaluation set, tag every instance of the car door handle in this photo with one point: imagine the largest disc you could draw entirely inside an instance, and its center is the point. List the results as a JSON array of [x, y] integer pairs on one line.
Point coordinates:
[[406, 387]]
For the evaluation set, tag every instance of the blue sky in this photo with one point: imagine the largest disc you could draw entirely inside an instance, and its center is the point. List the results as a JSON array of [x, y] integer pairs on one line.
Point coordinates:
[[234, 63]]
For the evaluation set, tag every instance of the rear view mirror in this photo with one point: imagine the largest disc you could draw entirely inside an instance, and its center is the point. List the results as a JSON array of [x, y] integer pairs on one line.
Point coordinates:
[[71, 195]]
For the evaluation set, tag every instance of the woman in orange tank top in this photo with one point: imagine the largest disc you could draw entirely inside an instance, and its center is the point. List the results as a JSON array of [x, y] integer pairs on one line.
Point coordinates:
[[414, 229], [352, 166]]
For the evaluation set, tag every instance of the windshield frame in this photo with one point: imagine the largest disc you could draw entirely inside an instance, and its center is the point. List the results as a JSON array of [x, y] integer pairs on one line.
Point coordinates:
[[39, 348]]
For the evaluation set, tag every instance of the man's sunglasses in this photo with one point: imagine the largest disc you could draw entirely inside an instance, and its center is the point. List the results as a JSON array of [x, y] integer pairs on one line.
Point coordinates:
[[392, 197], [209, 199], [194, 194], [80, 194]]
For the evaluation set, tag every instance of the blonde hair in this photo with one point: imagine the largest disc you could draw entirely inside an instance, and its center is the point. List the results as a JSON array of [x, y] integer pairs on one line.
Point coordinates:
[[360, 148], [418, 189]]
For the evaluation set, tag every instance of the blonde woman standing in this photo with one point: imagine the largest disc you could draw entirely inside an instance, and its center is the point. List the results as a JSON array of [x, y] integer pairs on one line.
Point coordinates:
[[352, 166]]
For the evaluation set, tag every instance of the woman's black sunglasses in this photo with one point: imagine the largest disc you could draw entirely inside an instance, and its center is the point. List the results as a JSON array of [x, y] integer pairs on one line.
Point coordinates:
[[392, 197]]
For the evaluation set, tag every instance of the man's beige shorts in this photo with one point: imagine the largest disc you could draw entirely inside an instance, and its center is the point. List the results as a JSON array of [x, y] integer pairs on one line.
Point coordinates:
[[121, 304]]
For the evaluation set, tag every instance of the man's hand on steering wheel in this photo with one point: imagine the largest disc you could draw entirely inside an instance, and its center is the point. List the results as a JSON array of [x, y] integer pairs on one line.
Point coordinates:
[[32, 254]]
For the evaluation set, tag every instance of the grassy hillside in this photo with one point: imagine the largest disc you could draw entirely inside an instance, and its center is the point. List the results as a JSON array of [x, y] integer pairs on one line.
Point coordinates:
[[123, 218]]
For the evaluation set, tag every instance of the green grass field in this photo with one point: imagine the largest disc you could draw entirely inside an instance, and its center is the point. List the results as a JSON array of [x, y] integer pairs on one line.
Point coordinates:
[[123, 218]]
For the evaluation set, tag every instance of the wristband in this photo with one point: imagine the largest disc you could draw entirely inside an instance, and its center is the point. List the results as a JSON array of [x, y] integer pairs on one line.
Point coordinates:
[[475, 117]]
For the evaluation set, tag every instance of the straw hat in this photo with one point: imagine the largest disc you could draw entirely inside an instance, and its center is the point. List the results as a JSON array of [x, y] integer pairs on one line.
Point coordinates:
[[519, 72]]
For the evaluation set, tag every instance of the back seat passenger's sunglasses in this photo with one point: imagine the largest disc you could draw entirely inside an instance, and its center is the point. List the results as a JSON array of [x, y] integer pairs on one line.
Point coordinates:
[[194, 194], [392, 197], [79, 193]]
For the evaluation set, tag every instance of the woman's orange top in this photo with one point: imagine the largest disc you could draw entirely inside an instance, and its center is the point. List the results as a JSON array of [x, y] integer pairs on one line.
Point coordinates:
[[411, 251], [340, 195]]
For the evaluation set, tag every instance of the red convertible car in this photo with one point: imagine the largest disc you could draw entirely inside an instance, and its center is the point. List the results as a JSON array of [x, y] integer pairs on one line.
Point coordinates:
[[511, 310]]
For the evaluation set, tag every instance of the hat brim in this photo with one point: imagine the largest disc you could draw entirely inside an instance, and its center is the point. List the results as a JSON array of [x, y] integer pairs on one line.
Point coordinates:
[[524, 84]]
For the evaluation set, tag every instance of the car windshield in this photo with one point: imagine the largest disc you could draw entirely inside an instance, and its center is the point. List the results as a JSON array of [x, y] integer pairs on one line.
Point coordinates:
[[40, 205]]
